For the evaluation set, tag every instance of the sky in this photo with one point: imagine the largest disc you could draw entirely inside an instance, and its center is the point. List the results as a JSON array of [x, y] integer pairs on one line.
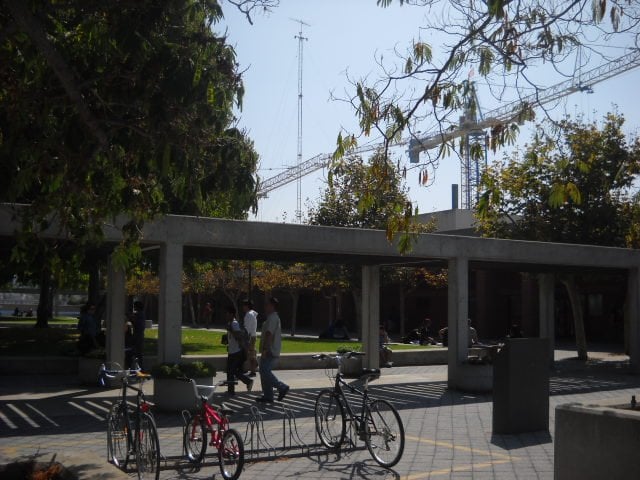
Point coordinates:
[[343, 40]]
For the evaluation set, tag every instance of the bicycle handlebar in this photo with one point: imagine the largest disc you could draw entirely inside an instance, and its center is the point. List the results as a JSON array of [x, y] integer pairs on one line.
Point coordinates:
[[104, 374]]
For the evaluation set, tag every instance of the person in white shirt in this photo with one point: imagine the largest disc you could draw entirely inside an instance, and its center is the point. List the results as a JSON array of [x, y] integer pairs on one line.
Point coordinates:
[[250, 321], [270, 344]]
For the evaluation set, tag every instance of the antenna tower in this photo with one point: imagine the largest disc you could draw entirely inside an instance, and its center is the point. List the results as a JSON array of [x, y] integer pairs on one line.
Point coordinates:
[[301, 39]]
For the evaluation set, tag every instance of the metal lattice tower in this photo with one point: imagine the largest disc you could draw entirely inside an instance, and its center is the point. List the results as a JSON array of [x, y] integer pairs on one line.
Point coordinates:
[[301, 39]]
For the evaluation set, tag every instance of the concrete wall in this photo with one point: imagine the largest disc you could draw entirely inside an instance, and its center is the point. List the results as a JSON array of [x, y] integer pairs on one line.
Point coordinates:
[[597, 442], [288, 361]]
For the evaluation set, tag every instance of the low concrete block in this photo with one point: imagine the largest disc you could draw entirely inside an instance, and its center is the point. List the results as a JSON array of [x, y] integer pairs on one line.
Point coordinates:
[[593, 442]]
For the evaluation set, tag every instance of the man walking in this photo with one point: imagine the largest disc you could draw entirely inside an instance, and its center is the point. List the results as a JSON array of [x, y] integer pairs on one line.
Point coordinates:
[[270, 344], [250, 321], [235, 353]]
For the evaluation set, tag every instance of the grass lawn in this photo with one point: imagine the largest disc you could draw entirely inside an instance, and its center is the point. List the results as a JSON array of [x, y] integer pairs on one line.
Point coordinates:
[[62, 336]]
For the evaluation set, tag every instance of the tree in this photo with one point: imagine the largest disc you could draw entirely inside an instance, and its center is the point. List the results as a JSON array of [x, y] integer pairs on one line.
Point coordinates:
[[501, 41], [111, 108], [364, 195], [574, 189]]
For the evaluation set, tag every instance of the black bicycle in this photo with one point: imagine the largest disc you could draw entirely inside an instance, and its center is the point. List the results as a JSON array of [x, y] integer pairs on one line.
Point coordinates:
[[131, 431], [378, 424]]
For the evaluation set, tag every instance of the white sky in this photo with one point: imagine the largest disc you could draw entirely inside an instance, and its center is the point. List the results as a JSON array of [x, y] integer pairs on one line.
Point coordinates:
[[346, 36]]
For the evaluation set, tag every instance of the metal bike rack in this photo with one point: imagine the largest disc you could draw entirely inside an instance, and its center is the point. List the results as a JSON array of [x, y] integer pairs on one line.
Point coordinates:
[[289, 424], [255, 436]]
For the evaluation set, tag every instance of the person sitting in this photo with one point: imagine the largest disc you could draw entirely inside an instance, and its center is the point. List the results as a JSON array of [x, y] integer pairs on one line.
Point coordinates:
[[515, 331], [444, 336], [426, 333], [384, 351]]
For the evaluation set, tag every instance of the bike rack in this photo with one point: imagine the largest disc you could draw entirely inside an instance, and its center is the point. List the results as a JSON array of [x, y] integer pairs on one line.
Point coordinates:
[[255, 436], [186, 419], [289, 420]]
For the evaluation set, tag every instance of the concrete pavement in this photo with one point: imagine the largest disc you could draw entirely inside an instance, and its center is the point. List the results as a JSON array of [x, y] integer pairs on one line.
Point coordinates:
[[448, 433]]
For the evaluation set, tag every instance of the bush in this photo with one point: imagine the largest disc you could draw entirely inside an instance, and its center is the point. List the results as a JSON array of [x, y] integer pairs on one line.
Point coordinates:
[[190, 369], [348, 348]]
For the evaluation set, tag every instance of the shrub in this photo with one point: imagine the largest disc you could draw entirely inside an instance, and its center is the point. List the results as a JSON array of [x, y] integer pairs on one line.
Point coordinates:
[[187, 369]]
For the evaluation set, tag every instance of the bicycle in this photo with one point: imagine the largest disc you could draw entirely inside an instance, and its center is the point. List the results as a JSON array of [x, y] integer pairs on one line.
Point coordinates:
[[132, 430], [213, 421], [378, 423]]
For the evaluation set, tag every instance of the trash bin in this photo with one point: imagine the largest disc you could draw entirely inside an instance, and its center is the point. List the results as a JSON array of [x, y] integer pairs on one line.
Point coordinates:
[[521, 386]]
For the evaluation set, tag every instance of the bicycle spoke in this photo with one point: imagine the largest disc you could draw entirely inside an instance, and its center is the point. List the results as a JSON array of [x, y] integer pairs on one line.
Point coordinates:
[[384, 433], [231, 455]]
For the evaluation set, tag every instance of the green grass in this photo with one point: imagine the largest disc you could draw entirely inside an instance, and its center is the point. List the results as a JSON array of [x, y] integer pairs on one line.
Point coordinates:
[[61, 339], [27, 321]]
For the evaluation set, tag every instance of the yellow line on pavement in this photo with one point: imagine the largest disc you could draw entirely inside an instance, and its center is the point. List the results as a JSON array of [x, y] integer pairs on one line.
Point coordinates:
[[501, 459], [460, 447]]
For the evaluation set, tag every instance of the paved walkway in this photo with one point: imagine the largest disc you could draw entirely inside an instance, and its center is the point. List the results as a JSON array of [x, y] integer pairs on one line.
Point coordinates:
[[448, 433]]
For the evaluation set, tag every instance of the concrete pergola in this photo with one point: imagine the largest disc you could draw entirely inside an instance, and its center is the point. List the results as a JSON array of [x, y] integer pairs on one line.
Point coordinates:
[[175, 234]]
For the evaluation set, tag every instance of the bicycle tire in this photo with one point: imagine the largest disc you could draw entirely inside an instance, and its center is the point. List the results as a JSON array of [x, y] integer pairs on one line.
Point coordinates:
[[384, 434], [117, 435], [231, 455], [147, 449], [331, 425], [195, 441]]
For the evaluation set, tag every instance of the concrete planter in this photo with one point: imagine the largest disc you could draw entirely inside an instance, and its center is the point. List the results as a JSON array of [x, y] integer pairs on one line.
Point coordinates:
[[597, 441], [352, 367], [477, 378], [174, 395]]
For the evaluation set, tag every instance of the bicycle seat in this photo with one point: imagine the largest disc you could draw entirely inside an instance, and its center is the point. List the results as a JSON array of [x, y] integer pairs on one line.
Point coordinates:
[[370, 373]]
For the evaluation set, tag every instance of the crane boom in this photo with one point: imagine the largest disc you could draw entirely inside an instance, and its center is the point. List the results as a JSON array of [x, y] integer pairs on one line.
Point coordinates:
[[503, 114]]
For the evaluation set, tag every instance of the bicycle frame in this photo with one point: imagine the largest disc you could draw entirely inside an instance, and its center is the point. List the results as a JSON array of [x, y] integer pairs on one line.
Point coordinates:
[[212, 418], [357, 420], [141, 406]]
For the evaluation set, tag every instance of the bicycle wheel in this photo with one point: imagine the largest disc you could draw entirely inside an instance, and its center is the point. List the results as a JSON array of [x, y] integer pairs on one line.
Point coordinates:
[[117, 435], [195, 440], [231, 455], [385, 433], [148, 449], [330, 422]]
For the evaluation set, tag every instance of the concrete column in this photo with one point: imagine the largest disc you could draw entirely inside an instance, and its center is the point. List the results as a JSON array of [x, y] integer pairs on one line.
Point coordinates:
[[370, 314], [633, 306], [458, 314], [170, 303], [116, 310], [546, 302]]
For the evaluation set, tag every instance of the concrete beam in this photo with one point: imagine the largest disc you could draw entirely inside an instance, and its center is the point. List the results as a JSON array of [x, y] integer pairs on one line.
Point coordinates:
[[116, 309], [546, 295], [370, 315], [366, 246], [458, 314], [170, 303]]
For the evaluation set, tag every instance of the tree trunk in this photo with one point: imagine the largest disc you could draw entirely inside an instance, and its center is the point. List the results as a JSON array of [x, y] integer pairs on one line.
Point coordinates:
[[578, 317], [45, 301], [93, 294], [192, 312], [402, 308], [295, 296], [357, 300]]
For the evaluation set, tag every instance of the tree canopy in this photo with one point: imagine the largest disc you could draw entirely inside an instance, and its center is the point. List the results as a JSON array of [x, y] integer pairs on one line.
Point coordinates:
[[499, 43], [576, 189], [120, 107]]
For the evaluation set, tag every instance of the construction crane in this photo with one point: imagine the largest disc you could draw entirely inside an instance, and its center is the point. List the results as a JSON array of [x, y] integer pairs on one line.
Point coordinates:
[[471, 127]]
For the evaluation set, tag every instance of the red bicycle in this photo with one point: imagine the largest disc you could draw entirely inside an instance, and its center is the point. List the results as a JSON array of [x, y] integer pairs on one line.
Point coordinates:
[[213, 422]]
